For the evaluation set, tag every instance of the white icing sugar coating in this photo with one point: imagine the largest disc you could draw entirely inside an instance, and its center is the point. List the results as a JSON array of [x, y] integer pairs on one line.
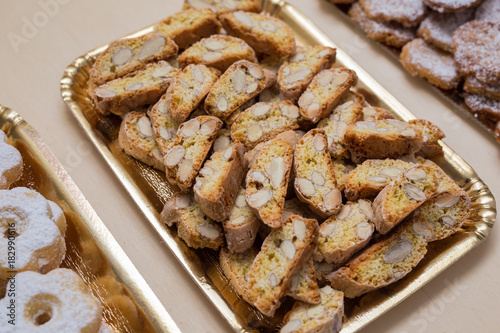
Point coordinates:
[[407, 12], [11, 163], [26, 218], [58, 301], [488, 10]]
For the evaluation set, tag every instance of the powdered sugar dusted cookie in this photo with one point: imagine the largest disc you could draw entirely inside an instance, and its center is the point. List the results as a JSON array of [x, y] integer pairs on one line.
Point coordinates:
[[126, 55], [488, 10], [11, 163], [189, 26], [218, 51], [390, 33], [474, 86], [409, 13], [476, 45], [443, 6], [265, 34], [437, 28], [300, 68], [224, 6], [433, 64], [484, 107], [325, 92]]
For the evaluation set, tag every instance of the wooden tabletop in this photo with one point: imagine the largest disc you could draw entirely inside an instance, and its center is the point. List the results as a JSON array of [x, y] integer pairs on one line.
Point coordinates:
[[40, 38]]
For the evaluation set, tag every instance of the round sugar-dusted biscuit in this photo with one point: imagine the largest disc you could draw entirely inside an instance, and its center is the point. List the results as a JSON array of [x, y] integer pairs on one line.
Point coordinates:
[[409, 13], [488, 10], [476, 46], [11, 163], [445, 6]]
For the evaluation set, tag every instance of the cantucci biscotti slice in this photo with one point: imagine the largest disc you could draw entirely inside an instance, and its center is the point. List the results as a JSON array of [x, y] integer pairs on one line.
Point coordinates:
[[242, 81], [267, 181], [388, 260], [341, 169], [188, 150], [188, 89], [224, 6], [291, 136], [335, 125], [127, 55], [405, 193], [380, 139], [324, 317], [136, 138], [189, 26], [300, 68], [193, 226], [263, 121], [218, 181], [218, 51], [431, 135], [265, 34], [373, 113], [345, 233], [164, 127], [241, 227], [315, 182], [370, 177], [282, 255], [139, 88], [223, 139], [325, 91]]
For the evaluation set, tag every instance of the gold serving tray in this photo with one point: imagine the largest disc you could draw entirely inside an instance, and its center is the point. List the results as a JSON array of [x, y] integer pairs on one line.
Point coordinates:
[[91, 249], [454, 97], [150, 191]]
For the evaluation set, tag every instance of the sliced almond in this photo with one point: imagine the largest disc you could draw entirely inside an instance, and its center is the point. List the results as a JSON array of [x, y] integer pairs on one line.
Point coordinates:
[[381, 130], [174, 156], [297, 57], [315, 311], [240, 201], [198, 184], [258, 176], [365, 124], [222, 103], [214, 45], [294, 284], [319, 143], [260, 109], [273, 280], [190, 128], [324, 78], [208, 231], [291, 326], [185, 170], [317, 178], [340, 79], [409, 133], [144, 127], [287, 213], [134, 86], [448, 221], [200, 4], [231, 4], [157, 154], [122, 56], [327, 229], [238, 80], [161, 71], [323, 54], [277, 172], [207, 171], [344, 213], [244, 19], [259, 198], [285, 71], [254, 132], [221, 143], [239, 220], [299, 229], [228, 153], [306, 99], [332, 200], [182, 201], [364, 230], [366, 209], [416, 174], [390, 172], [341, 129], [414, 192], [208, 127], [313, 110], [398, 274], [288, 248], [252, 87], [379, 180], [198, 75], [211, 56], [289, 111], [398, 252], [422, 229], [400, 125], [183, 83], [298, 76], [256, 72], [446, 200], [162, 107], [104, 92], [151, 47], [305, 187]]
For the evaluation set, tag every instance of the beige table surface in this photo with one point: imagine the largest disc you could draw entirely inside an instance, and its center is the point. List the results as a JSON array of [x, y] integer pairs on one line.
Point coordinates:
[[38, 39]]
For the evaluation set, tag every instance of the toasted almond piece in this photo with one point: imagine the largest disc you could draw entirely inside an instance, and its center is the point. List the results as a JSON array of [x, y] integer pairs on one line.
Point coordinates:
[[260, 110], [305, 186], [238, 80], [409, 132], [254, 132], [227, 154], [364, 230], [122, 56], [341, 128], [252, 87], [400, 125], [306, 98], [222, 103], [415, 174], [185, 170], [398, 252], [366, 124], [325, 77], [198, 75], [206, 171], [313, 110], [244, 19], [211, 56], [190, 128], [273, 280], [346, 210], [332, 199], [256, 72], [448, 221], [134, 86], [104, 92], [221, 143], [259, 198], [414, 192], [298, 76], [317, 178], [299, 229], [288, 248], [144, 127], [239, 220], [327, 229], [151, 47], [341, 78], [291, 326], [446, 200], [208, 127], [162, 71], [422, 229], [319, 143], [240, 201], [267, 26], [174, 156], [366, 209], [315, 311], [209, 231], [277, 172], [198, 184], [258, 176], [182, 201], [390, 172], [214, 45], [289, 111], [379, 180]]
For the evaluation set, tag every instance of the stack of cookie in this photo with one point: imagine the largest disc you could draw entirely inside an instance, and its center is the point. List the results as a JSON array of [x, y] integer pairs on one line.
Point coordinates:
[[280, 164], [452, 44]]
